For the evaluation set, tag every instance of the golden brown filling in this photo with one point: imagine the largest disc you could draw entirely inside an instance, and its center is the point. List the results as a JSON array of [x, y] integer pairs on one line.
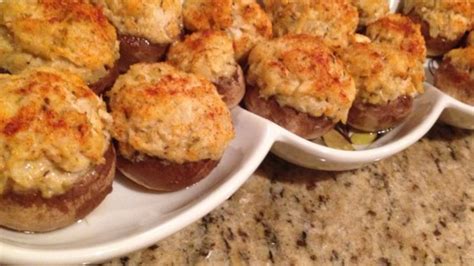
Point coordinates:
[[68, 35], [301, 72], [158, 21], [163, 112], [53, 128], [446, 18]]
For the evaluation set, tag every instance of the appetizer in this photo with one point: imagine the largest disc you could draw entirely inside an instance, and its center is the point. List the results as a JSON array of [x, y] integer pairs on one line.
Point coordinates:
[[211, 54], [171, 127], [401, 33], [370, 10], [387, 79], [443, 22], [296, 82], [56, 160], [68, 35], [334, 21], [145, 28], [244, 21], [455, 75]]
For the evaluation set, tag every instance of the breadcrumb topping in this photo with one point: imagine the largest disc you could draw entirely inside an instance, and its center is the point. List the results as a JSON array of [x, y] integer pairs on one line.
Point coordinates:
[[162, 112], [69, 35], [446, 18], [334, 21], [400, 32], [243, 20], [209, 53], [382, 73], [53, 129], [300, 71], [370, 10], [158, 21]]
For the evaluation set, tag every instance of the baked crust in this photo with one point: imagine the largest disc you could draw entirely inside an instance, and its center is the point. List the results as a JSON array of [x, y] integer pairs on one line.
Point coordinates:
[[301, 72], [382, 72], [211, 55], [51, 125], [334, 21], [243, 20], [68, 35], [400, 32], [33, 213], [443, 22], [163, 112], [370, 10], [435, 46], [158, 21]]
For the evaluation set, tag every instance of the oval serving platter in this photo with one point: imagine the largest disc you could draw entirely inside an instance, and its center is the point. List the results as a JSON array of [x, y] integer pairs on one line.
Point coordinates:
[[131, 218]]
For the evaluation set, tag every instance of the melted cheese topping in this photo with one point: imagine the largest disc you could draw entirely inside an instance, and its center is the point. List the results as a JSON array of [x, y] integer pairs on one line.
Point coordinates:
[[382, 73], [335, 21], [70, 35], [208, 53], [243, 20], [400, 32], [301, 72], [370, 10], [446, 18], [159, 21], [53, 128], [162, 112]]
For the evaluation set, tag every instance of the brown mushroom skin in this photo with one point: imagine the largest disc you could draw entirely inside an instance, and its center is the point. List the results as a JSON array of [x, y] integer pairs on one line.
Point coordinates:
[[135, 49], [300, 123], [435, 46], [162, 175], [232, 89], [32, 213], [455, 83], [106, 82], [378, 117]]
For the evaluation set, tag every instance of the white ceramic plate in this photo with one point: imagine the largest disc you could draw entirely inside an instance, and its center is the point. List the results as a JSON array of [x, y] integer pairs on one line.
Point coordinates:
[[131, 218]]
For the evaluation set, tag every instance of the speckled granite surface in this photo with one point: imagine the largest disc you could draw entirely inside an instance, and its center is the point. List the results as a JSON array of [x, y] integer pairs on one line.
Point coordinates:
[[414, 208]]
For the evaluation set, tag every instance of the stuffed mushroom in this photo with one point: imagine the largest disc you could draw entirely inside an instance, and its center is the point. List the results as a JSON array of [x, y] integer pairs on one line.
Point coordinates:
[[443, 22], [387, 80], [400, 32], [455, 75], [334, 21], [145, 27], [211, 54], [370, 10], [57, 163], [68, 35], [243, 20], [171, 127], [298, 83]]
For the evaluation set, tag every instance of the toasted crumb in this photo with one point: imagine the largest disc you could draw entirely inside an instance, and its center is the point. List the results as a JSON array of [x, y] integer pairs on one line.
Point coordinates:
[[163, 112], [300, 71]]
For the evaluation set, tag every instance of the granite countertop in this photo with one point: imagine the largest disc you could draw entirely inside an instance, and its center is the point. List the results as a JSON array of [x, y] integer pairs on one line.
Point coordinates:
[[414, 208]]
